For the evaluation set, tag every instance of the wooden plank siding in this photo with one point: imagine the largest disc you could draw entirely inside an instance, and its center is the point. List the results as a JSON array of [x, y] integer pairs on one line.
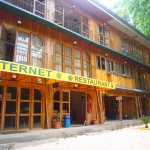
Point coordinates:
[[131, 103]]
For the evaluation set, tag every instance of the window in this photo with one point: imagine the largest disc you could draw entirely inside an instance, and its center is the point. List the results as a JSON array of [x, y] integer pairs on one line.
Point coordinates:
[[29, 51], [103, 63], [125, 48], [100, 34], [98, 62], [123, 70], [85, 30], [109, 65], [86, 63], [107, 40], [137, 54], [72, 61], [77, 62], [59, 57], [37, 53], [119, 69], [40, 8], [68, 60], [141, 82]]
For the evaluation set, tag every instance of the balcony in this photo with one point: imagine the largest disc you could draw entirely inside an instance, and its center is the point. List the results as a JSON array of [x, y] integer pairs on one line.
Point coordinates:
[[22, 55], [35, 6]]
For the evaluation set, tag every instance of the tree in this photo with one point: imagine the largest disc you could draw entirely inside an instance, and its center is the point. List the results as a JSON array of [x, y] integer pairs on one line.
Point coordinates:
[[135, 12]]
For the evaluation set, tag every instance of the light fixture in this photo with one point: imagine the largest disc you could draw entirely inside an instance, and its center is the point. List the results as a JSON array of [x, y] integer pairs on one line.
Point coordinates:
[[76, 85], [19, 22], [39, 80], [74, 6], [106, 54], [125, 37], [125, 62], [104, 24], [14, 76], [74, 42], [141, 68]]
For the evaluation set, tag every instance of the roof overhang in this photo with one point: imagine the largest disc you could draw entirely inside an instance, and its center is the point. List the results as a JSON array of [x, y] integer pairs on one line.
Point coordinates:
[[120, 24], [133, 90]]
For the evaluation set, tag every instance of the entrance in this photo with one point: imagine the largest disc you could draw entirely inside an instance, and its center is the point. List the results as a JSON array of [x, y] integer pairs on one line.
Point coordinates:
[[20, 108], [111, 107], [77, 107]]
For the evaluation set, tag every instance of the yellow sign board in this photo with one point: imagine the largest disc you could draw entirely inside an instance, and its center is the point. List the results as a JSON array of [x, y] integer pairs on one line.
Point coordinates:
[[51, 74]]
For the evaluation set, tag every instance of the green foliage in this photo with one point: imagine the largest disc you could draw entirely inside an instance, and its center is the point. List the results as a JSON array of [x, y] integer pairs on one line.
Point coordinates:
[[135, 12], [145, 120], [57, 118], [131, 115]]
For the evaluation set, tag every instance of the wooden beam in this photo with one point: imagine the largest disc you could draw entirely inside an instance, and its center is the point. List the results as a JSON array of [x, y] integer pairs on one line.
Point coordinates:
[[136, 105], [120, 109]]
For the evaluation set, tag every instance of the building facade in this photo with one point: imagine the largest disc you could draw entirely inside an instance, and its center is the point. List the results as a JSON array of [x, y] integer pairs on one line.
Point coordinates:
[[71, 57]]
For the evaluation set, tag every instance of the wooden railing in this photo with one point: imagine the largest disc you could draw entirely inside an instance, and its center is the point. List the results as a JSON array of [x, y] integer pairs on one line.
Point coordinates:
[[22, 55]]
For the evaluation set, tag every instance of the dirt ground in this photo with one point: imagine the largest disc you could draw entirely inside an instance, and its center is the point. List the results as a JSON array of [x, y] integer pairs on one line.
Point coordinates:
[[131, 138]]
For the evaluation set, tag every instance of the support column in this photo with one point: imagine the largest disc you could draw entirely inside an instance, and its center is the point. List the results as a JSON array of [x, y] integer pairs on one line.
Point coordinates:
[[101, 110], [48, 103], [120, 109], [139, 105], [136, 105]]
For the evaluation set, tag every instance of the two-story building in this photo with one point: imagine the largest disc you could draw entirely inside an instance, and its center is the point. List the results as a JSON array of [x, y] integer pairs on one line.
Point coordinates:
[[71, 57]]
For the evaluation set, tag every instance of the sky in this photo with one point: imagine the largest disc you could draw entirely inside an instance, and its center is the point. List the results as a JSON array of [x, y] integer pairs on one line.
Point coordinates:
[[108, 3]]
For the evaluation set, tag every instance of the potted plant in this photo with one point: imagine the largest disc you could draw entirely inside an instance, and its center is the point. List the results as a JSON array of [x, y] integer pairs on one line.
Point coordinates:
[[145, 120], [57, 121], [94, 121]]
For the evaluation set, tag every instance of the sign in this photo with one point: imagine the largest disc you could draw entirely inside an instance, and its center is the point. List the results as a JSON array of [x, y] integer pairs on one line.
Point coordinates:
[[119, 98], [51, 74]]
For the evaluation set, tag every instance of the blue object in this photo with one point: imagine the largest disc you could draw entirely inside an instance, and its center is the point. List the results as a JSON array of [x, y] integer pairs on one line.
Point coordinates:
[[66, 121]]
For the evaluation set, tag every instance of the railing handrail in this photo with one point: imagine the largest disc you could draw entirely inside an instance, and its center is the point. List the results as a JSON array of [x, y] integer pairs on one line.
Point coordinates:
[[30, 49]]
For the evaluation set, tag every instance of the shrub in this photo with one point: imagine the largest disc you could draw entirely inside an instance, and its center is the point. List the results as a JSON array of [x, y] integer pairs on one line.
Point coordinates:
[[145, 120]]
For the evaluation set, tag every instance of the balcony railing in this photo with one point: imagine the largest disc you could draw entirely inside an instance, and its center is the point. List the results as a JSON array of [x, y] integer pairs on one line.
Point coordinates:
[[36, 7], [77, 27], [22, 55]]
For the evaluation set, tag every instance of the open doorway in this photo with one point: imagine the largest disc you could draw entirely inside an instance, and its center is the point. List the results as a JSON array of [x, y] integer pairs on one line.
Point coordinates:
[[77, 107], [111, 108]]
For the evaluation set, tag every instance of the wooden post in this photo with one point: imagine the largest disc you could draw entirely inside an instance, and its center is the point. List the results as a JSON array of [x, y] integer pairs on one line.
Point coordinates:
[[139, 106], [48, 102], [120, 109], [136, 105], [100, 108]]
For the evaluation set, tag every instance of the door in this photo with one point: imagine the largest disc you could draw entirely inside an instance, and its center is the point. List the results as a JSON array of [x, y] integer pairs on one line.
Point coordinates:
[[61, 103], [22, 108], [10, 114], [65, 102]]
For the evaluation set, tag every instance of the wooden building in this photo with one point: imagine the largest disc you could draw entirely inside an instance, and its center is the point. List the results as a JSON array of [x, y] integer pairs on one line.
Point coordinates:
[[71, 57]]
